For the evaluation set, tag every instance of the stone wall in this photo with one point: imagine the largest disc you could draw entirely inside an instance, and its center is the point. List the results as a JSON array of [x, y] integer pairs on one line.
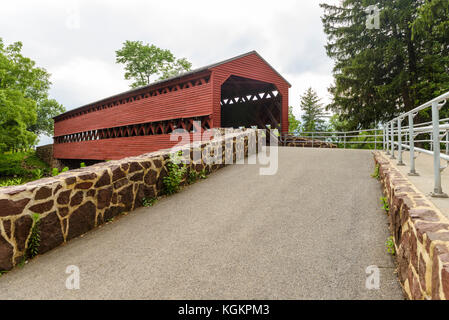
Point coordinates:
[[77, 201], [45, 153], [421, 235], [293, 141]]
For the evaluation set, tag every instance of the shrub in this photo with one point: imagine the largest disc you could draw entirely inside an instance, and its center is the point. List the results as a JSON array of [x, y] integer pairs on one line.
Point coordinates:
[[35, 238], [390, 246], [11, 182], [176, 173], [54, 172], [148, 202]]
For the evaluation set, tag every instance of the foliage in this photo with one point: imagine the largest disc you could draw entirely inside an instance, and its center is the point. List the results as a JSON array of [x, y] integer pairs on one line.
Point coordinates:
[[54, 172], [385, 204], [35, 238], [11, 182], [82, 165], [192, 176], [381, 72], [294, 125], [46, 110], [142, 61], [20, 164], [25, 109], [390, 246], [313, 117], [37, 174], [175, 174], [148, 202], [376, 174]]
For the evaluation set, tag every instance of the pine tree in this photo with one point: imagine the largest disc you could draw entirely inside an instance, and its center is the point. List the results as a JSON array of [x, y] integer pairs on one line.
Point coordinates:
[[313, 117], [382, 72]]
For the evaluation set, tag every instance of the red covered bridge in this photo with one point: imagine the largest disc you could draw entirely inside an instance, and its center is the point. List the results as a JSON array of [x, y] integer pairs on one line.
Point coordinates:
[[240, 92]]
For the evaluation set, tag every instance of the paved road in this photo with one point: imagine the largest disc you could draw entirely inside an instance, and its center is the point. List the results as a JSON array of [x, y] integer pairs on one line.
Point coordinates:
[[309, 232]]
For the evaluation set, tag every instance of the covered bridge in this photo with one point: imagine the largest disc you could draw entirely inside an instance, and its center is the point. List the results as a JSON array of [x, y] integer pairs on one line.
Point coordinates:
[[242, 91]]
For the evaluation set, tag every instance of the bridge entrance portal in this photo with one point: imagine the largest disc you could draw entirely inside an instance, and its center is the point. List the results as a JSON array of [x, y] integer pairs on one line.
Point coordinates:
[[250, 103]]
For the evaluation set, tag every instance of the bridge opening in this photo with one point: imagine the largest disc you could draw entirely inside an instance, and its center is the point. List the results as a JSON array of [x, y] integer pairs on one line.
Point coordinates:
[[250, 103]]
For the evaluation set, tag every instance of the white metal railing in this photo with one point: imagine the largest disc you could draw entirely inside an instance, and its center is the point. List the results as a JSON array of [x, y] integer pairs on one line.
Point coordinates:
[[372, 137], [397, 138]]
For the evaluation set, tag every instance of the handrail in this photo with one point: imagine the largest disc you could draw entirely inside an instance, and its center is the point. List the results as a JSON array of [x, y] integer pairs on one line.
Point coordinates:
[[437, 129]]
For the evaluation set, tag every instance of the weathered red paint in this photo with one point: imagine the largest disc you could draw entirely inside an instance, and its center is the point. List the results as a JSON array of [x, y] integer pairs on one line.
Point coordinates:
[[200, 97]]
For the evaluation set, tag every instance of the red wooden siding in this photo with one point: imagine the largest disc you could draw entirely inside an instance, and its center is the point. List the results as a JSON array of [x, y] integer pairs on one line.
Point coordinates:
[[158, 103], [184, 103], [112, 149]]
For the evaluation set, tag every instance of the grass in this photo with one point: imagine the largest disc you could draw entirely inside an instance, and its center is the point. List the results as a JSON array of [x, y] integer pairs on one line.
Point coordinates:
[[21, 167]]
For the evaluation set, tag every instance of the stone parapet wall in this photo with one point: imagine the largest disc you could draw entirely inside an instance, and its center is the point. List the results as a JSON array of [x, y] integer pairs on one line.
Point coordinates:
[[421, 235], [77, 201], [293, 141], [45, 153]]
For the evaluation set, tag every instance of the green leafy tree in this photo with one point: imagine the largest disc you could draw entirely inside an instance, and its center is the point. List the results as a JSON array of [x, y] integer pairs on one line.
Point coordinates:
[[46, 110], [143, 61], [294, 125], [25, 109], [382, 72], [314, 113]]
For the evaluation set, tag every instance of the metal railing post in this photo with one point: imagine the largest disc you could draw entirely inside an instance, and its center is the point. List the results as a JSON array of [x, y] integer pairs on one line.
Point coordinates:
[[313, 145], [392, 140], [431, 141], [375, 139], [387, 133], [438, 190], [400, 163], [412, 146], [383, 138], [447, 142]]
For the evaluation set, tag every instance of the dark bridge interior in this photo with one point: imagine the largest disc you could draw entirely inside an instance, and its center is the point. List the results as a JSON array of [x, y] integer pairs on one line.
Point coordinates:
[[250, 103]]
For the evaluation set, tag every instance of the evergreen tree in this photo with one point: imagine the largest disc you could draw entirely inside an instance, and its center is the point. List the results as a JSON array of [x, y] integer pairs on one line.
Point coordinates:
[[382, 72], [313, 117]]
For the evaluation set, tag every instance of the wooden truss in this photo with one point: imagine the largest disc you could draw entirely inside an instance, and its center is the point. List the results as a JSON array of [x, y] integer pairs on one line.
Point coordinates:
[[143, 129]]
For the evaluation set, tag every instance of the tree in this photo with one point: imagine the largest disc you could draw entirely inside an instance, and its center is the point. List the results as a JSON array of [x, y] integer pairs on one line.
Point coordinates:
[[313, 117], [25, 108], [142, 61], [382, 72], [294, 125], [46, 110]]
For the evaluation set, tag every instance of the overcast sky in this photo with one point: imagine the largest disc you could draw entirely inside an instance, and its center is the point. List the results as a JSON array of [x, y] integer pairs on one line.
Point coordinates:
[[76, 40]]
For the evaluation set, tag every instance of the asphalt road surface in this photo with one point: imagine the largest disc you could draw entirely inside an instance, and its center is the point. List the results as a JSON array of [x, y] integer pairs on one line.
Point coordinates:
[[308, 232]]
